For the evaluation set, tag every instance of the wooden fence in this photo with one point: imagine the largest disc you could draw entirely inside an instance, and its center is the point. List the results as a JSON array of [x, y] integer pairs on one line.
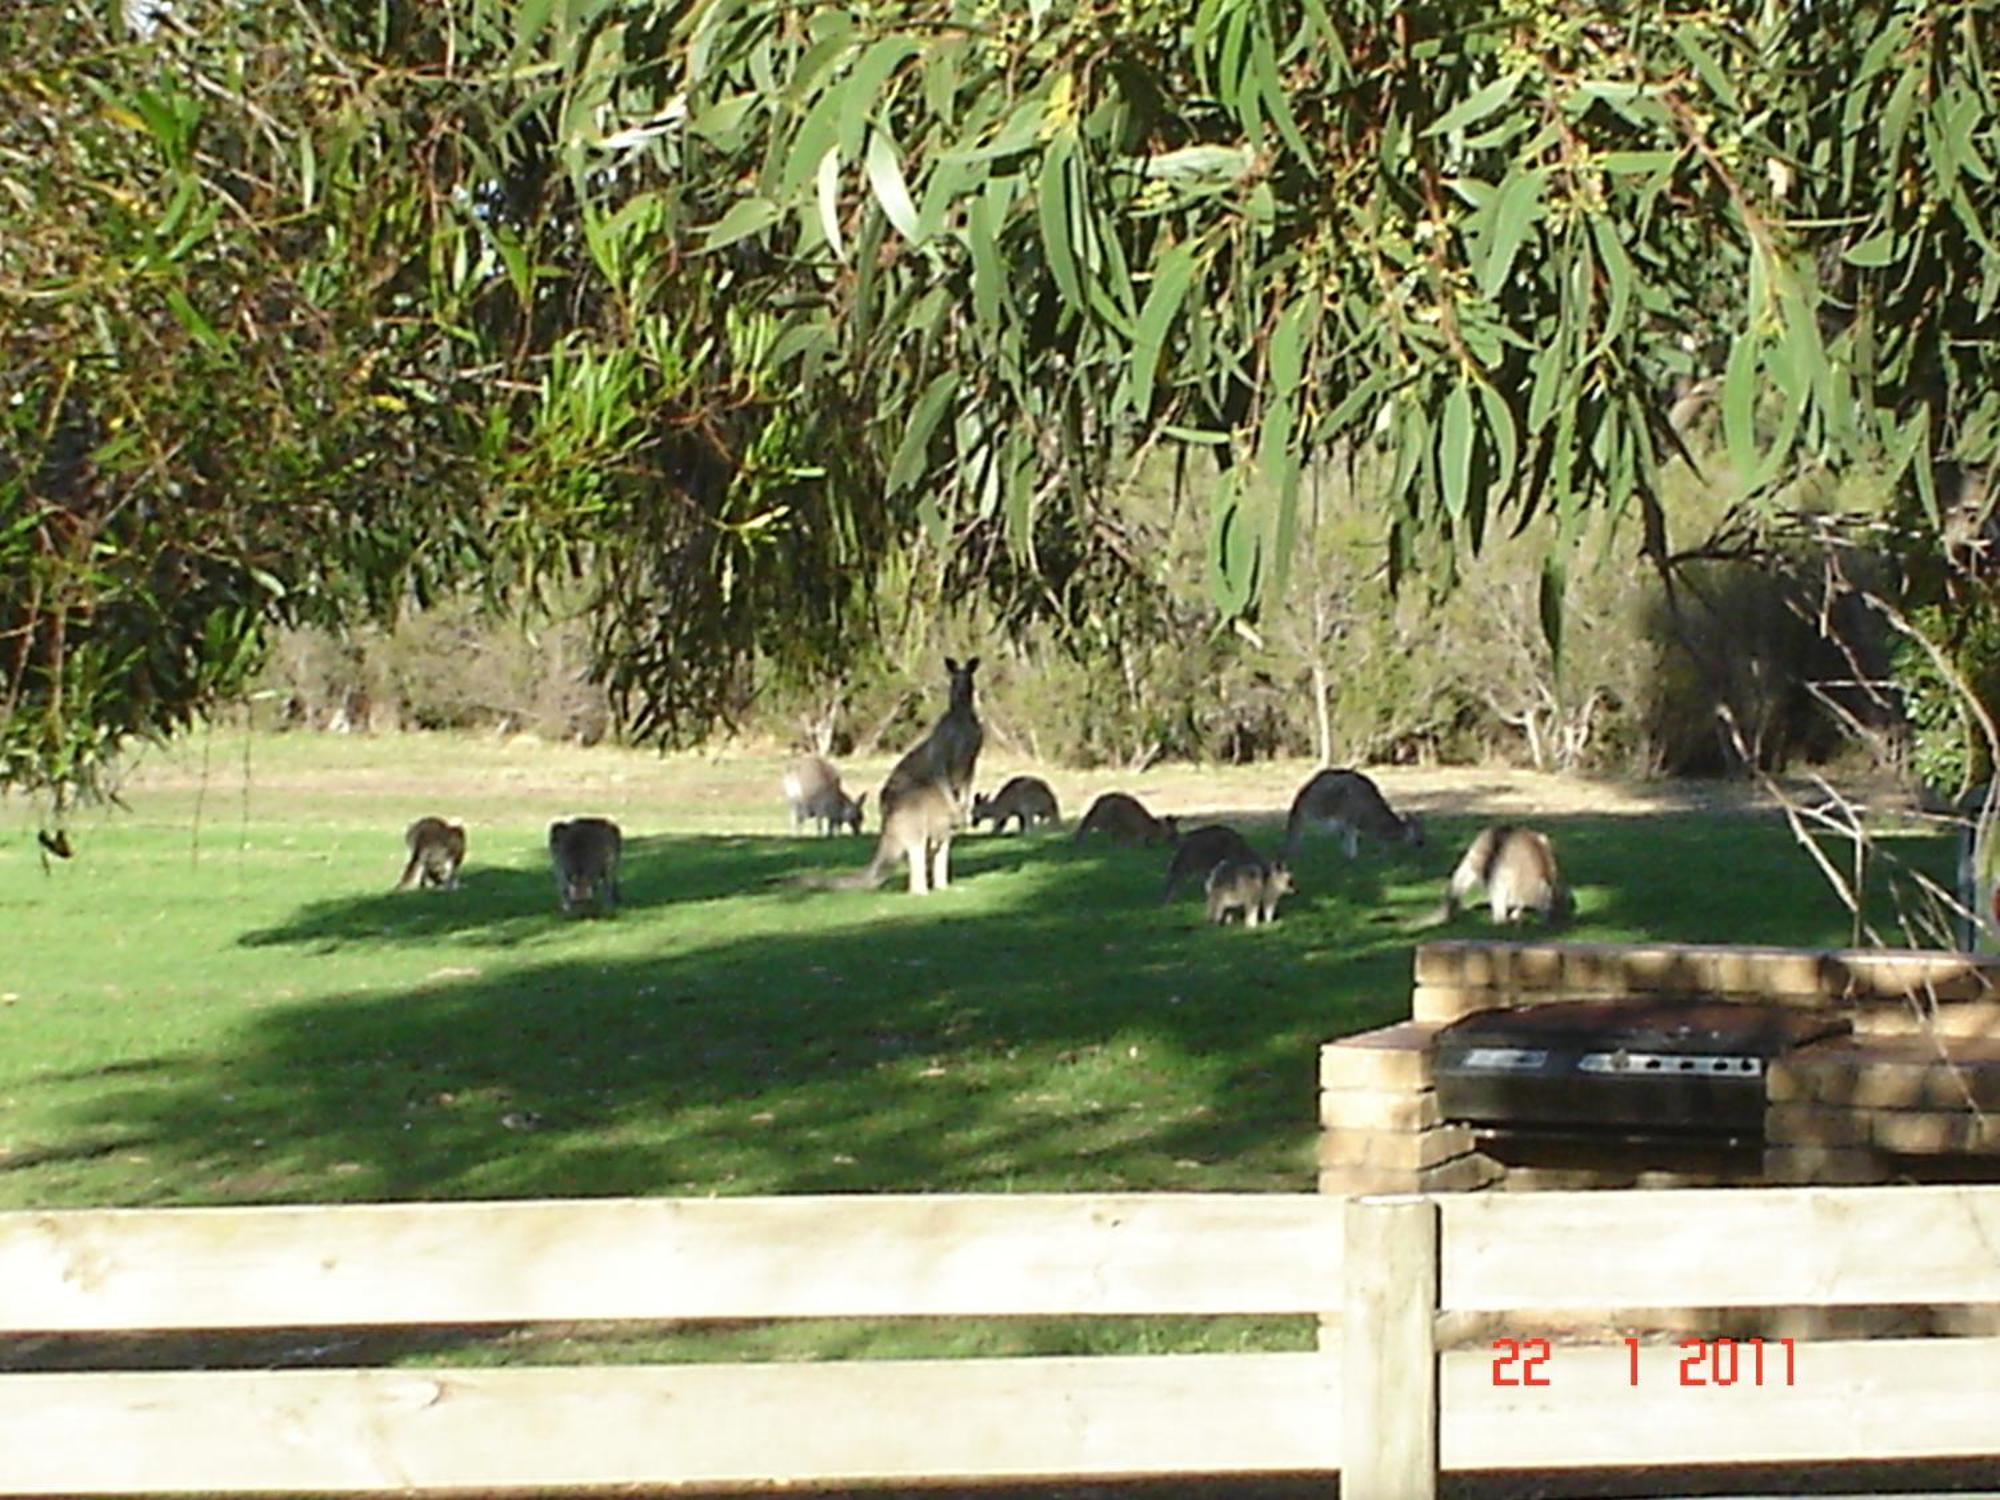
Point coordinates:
[[1389, 1409]]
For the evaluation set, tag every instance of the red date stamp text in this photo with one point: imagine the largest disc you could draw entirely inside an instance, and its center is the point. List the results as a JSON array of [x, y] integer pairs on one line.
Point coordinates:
[[1703, 1362]]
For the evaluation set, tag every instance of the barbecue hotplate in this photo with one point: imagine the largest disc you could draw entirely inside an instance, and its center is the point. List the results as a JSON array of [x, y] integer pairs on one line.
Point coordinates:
[[1675, 1066]]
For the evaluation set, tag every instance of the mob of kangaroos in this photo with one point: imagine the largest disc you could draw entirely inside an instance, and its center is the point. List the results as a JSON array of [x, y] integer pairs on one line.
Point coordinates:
[[927, 798]]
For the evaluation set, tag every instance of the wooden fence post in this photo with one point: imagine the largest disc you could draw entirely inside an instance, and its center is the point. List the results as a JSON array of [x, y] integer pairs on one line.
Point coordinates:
[[1389, 1380]]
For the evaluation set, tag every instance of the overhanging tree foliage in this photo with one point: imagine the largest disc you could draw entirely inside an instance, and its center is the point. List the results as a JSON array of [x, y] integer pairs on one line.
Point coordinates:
[[1498, 240], [724, 300]]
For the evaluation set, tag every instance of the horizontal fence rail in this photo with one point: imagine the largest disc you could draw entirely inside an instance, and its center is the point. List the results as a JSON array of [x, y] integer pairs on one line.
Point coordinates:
[[803, 1257], [1388, 1410], [1846, 1401], [1721, 1247], [392, 1431]]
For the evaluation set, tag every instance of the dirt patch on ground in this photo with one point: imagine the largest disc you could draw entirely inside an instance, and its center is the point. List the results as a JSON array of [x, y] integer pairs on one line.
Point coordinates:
[[734, 782]]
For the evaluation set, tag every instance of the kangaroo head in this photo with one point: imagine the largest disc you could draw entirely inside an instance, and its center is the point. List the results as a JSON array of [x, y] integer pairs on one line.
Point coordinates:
[[1172, 828], [1280, 879], [961, 680]]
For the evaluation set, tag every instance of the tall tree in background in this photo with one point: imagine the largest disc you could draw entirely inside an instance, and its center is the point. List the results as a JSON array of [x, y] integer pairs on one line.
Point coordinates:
[[313, 306]]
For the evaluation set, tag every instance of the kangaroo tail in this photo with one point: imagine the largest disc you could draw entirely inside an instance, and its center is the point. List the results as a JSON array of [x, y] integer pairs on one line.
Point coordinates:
[[867, 878]]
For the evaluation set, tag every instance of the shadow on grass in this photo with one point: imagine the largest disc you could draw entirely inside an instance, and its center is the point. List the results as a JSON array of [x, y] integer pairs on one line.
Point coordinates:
[[80, 1148], [506, 906], [1046, 1023]]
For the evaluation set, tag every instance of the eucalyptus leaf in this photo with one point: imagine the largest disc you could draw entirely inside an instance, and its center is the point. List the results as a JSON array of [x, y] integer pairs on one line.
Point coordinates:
[[1876, 250], [1171, 281], [885, 177], [1739, 407], [1549, 599], [747, 216], [1477, 106], [1056, 211], [1455, 450], [1514, 214], [912, 449]]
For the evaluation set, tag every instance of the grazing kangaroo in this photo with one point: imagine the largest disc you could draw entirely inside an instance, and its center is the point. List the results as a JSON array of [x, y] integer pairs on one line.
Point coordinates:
[[1517, 868], [1351, 803], [1199, 852], [437, 849], [947, 755], [1027, 798], [917, 828], [584, 853], [1124, 821], [1250, 886], [813, 789]]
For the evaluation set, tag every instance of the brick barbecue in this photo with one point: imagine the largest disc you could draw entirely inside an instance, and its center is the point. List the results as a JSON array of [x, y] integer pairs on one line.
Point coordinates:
[[1890, 1071]]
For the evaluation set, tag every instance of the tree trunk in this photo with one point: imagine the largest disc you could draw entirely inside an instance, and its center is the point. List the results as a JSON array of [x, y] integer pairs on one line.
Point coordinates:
[[1322, 714]]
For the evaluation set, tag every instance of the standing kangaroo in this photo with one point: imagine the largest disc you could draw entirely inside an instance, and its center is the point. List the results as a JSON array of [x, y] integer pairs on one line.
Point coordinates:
[[1124, 820], [1199, 852], [1027, 798], [437, 849], [947, 756], [924, 797], [1517, 868], [1354, 805], [584, 853], [917, 828], [1250, 886], [813, 789]]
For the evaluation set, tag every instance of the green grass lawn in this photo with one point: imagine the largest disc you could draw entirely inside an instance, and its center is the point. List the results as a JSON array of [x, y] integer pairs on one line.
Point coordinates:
[[219, 1000]]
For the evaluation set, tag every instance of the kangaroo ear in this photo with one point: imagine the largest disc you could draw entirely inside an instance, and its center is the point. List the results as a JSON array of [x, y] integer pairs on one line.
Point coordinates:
[[951, 666], [861, 802], [971, 665]]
